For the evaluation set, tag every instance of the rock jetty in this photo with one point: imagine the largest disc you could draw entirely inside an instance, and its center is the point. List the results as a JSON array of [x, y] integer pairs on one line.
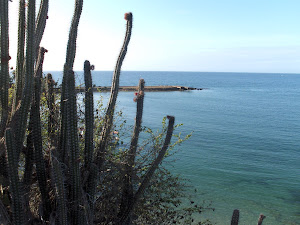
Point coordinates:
[[134, 88]]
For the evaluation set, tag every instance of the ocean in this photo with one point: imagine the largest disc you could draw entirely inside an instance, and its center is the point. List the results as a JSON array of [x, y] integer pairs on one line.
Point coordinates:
[[245, 149]]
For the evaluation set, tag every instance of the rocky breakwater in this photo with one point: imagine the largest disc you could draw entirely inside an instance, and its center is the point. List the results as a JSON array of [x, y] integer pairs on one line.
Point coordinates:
[[134, 88]]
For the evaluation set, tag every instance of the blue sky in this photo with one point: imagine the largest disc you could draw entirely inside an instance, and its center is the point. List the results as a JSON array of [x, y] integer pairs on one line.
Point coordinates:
[[176, 35]]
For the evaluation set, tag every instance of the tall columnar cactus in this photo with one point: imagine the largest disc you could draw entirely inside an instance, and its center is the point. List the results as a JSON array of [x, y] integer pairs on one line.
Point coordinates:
[[22, 114], [74, 148], [127, 195], [69, 145], [114, 93], [89, 115], [37, 135], [235, 217], [29, 161], [39, 30], [41, 23], [4, 72], [15, 184], [67, 72], [58, 181], [50, 103], [124, 217], [20, 56], [90, 186]]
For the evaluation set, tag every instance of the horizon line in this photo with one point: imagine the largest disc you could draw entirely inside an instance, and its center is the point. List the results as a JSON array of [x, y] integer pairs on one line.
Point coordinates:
[[179, 71]]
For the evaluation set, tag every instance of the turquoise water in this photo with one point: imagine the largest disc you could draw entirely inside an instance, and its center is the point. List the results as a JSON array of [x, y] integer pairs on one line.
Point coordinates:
[[245, 149]]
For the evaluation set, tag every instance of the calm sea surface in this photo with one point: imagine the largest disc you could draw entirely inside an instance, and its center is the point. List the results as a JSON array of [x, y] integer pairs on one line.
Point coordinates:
[[245, 150]]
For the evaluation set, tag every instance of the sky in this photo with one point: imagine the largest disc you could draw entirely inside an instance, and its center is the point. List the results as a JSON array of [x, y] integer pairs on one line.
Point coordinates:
[[175, 35]]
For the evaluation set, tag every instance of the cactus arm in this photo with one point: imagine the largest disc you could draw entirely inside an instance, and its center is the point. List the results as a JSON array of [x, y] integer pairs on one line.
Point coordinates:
[[50, 103], [63, 144], [22, 112], [41, 23], [116, 75], [20, 56], [90, 187], [60, 192], [71, 48], [150, 171], [74, 147], [260, 219], [235, 217], [29, 160], [70, 57], [37, 136], [69, 137], [127, 195], [15, 184], [114, 94], [89, 115], [138, 123], [158, 159], [4, 72]]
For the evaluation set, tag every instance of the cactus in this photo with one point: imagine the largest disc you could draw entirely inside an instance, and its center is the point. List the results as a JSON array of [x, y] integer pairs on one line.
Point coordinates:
[[114, 93], [50, 103], [22, 114], [123, 219], [69, 116], [29, 160], [37, 136], [89, 115], [235, 217], [68, 71], [4, 73], [260, 219], [20, 56], [41, 23], [15, 184], [60, 192], [74, 187], [127, 195]]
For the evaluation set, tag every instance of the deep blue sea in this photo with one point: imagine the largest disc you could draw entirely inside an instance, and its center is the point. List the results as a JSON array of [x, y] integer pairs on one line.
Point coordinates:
[[245, 149]]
